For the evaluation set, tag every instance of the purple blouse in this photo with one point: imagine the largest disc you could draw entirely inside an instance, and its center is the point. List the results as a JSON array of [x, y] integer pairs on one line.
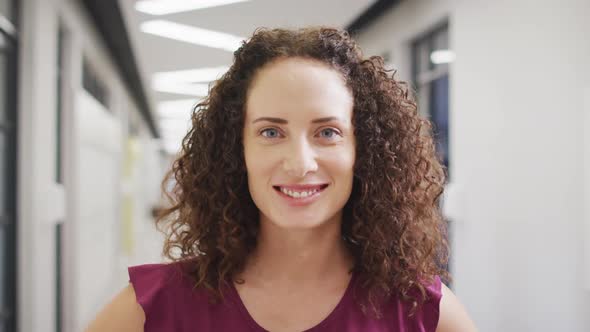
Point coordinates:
[[171, 303]]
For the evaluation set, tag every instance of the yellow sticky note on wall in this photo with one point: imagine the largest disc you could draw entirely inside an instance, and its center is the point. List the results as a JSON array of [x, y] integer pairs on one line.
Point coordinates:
[[127, 238]]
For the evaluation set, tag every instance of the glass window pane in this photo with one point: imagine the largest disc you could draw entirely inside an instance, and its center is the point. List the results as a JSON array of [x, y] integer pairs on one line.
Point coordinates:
[[424, 101], [59, 105], [423, 57], [439, 111], [440, 42], [7, 172]]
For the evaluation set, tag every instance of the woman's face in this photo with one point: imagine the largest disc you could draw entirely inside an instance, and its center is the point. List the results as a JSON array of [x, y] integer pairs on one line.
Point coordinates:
[[299, 143]]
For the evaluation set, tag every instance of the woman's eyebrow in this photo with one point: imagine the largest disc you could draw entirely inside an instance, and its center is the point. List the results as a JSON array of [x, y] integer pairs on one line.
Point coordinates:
[[326, 119], [283, 121], [274, 120]]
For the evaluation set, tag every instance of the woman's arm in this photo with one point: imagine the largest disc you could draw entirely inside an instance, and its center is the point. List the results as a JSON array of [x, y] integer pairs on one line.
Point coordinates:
[[453, 316], [122, 314]]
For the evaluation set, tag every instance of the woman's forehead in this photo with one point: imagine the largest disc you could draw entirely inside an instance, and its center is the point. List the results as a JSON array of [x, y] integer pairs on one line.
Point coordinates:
[[298, 87]]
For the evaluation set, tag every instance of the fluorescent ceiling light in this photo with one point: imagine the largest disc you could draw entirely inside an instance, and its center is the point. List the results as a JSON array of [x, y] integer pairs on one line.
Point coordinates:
[[197, 90], [174, 121], [177, 109], [169, 106], [193, 82], [163, 7], [442, 56], [175, 116], [193, 35], [172, 146], [200, 75], [174, 127], [174, 130], [172, 143]]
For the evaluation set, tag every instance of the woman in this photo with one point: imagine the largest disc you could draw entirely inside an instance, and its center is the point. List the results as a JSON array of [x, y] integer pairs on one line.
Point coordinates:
[[306, 199]]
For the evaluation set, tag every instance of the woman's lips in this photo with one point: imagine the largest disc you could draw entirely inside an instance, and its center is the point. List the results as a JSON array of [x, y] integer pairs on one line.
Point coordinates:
[[301, 187], [301, 194]]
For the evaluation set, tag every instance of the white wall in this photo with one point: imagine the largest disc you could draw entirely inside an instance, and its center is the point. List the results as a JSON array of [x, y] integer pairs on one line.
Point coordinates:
[[97, 222], [587, 189], [516, 133], [35, 231], [90, 201]]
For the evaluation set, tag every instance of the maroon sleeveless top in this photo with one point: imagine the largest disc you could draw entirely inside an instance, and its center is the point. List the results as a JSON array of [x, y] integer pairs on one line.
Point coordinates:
[[171, 303]]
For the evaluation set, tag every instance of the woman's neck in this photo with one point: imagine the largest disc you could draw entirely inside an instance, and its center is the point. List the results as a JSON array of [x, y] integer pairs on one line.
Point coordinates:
[[298, 256]]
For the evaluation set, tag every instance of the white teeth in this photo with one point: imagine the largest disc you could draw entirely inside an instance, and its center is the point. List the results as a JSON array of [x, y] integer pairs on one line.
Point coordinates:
[[297, 194]]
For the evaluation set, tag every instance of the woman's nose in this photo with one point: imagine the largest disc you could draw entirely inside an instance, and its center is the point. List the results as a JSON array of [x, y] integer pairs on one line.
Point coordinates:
[[300, 159]]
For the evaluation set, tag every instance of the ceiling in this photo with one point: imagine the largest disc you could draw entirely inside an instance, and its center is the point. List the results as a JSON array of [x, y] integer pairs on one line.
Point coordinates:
[[157, 54]]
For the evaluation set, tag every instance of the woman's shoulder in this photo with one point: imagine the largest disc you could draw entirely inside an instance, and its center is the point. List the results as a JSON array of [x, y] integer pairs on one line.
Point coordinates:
[[157, 286], [423, 317], [155, 276], [172, 301], [149, 301], [441, 310], [430, 309], [166, 293]]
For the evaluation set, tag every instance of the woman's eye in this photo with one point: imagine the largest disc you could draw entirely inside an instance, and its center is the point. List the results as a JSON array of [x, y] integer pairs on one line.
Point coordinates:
[[328, 133], [270, 133]]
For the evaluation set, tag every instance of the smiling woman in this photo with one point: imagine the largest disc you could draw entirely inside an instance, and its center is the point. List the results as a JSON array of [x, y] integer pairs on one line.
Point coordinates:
[[299, 144], [306, 199]]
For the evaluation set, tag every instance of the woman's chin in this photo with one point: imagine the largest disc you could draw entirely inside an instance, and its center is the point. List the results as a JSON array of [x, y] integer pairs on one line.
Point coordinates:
[[299, 225], [300, 222]]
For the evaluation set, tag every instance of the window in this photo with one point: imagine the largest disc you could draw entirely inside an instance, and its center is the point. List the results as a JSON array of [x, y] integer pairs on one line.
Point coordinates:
[[94, 85], [431, 57], [59, 105], [8, 118], [430, 72], [61, 50]]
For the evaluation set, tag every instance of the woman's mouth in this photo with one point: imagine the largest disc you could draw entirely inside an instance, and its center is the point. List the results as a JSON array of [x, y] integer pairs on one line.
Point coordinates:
[[300, 194]]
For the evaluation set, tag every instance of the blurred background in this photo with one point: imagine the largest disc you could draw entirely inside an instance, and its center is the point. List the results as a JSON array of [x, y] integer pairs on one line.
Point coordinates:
[[95, 97]]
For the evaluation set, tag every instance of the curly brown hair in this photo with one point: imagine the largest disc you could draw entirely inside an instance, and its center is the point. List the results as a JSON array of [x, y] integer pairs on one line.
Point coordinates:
[[391, 223]]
